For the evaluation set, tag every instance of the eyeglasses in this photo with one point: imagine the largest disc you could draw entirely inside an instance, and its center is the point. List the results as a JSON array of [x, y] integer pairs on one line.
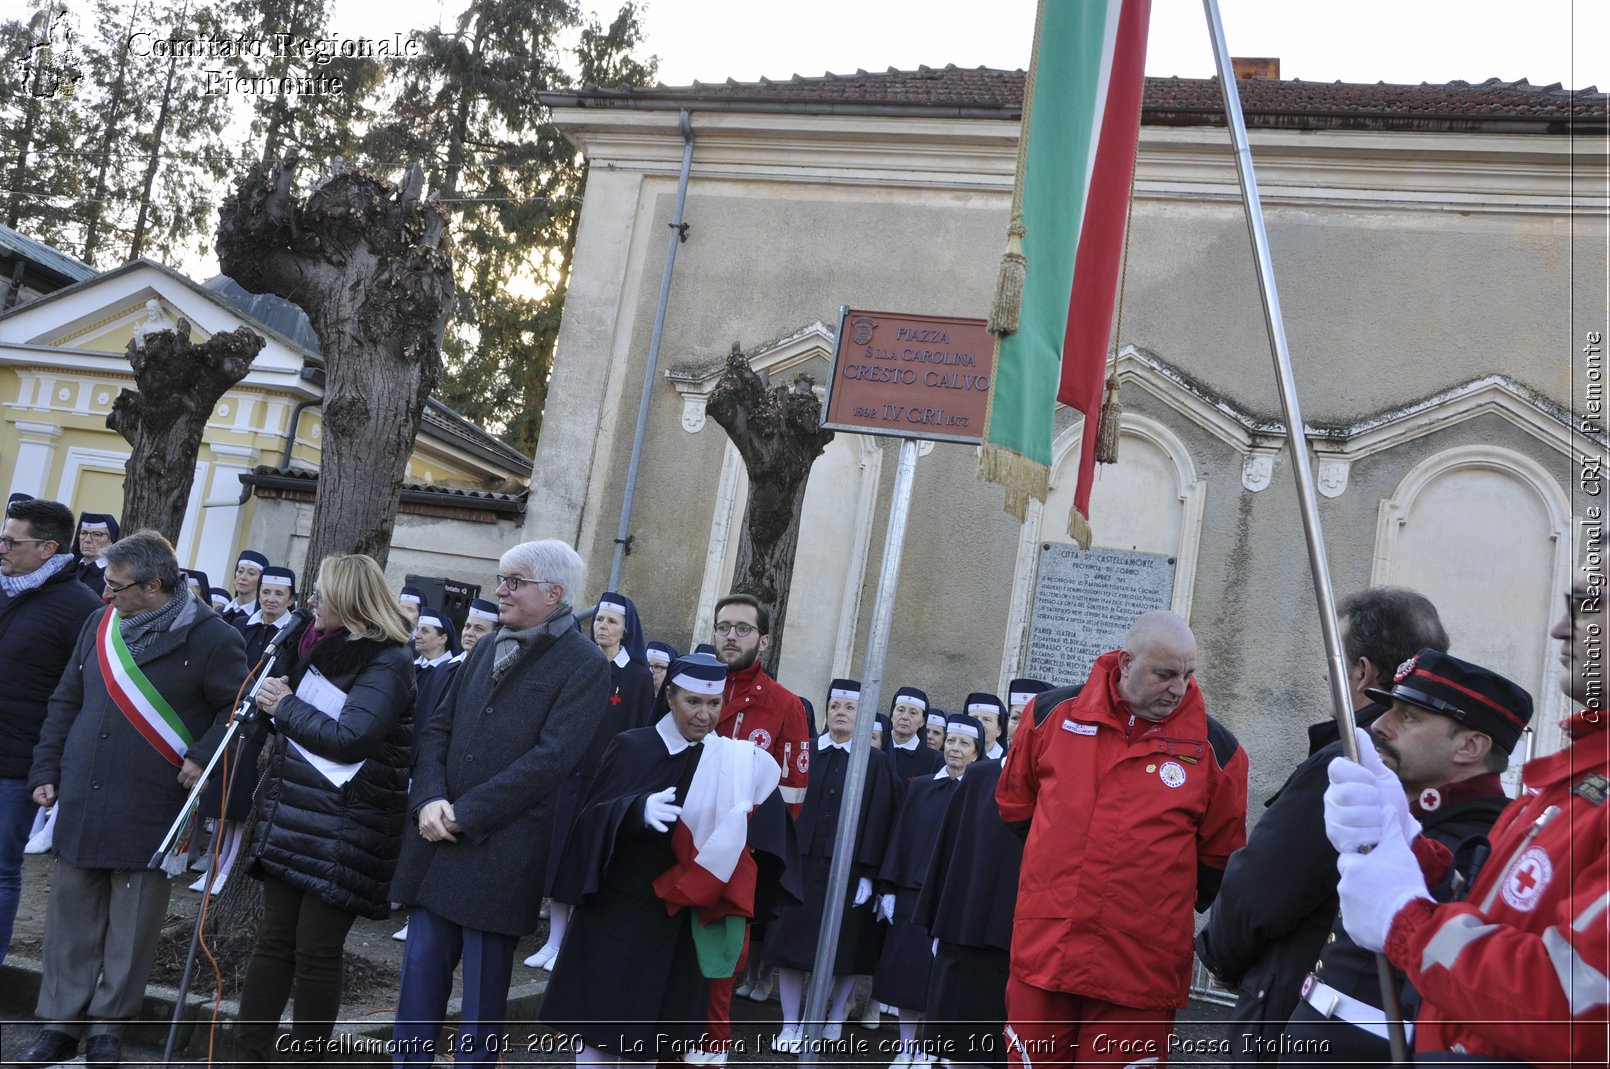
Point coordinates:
[[313, 600], [513, 582], [744, 630], [8, 543], [118, 588], [1579, 601]]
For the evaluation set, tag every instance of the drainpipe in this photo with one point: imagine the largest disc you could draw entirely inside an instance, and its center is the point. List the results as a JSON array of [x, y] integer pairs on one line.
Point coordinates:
[[679, 234]]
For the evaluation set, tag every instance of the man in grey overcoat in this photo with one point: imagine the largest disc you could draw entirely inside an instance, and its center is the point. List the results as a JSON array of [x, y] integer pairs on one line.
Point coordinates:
[[146, 694], [487, 765]]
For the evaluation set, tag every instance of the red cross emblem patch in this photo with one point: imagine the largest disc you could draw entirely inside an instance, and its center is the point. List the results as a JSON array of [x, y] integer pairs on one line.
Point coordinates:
[[761, 738], [1527, 879]]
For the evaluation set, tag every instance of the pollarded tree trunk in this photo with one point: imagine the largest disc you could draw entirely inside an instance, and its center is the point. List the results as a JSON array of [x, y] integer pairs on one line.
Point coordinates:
[[179, 383], [778, 432], [371, 266]]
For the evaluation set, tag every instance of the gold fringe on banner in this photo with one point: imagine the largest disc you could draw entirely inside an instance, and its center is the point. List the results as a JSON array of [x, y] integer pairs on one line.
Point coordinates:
[[1022, 478], [1107, 426], [1008, 303], [1079, 528]]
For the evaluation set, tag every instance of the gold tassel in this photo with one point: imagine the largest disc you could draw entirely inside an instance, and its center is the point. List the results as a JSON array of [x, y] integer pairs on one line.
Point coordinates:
[[1008, 304], [1079, 528], [1107, 427], [1021, 477]]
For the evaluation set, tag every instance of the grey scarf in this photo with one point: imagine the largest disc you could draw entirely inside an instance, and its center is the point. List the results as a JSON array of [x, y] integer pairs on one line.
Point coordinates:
[[138, 630], [17, 584], [513, 645]]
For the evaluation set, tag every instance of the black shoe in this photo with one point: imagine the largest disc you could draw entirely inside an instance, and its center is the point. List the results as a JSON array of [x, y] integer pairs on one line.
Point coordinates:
[[103, 1052], [50, 1048]]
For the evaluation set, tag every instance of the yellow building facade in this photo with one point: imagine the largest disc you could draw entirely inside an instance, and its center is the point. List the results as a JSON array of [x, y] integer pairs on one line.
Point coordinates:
[[63, 362]]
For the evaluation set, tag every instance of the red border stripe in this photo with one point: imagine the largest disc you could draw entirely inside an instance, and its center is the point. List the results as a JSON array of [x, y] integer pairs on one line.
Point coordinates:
[[1499, 709]]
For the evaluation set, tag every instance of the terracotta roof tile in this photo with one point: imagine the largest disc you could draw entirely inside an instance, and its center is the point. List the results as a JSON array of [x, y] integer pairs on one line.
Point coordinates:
[[984, 92]]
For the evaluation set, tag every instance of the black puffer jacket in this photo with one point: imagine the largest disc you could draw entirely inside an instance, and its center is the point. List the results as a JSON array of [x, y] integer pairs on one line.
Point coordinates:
[[38, 630], [341, 843]]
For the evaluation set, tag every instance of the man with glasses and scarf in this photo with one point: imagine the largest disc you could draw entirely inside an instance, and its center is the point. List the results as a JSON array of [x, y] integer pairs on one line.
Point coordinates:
[[140, 707], [487, 765], [42, 609]]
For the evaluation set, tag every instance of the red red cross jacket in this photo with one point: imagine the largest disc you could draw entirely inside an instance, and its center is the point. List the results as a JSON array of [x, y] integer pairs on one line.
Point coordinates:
[[768, 714], [1518, 969], [1133, 822]]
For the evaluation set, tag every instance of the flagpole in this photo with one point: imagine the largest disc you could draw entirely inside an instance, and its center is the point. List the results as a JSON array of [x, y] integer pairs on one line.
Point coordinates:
[[1341, 697], [814, 1017]]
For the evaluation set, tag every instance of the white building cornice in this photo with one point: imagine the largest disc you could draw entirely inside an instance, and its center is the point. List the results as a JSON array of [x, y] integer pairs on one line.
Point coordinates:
[[1385, 170]]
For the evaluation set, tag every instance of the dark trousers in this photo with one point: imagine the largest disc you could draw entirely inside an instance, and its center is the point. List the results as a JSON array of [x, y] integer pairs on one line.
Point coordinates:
[[430, 957], [299, 945]]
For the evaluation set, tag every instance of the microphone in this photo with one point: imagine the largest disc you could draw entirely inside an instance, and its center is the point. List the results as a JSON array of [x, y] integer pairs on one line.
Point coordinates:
[[296, 618]]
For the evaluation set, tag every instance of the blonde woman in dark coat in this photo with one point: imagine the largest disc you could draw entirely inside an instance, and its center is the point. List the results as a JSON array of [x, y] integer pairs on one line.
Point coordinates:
[[332, 808]]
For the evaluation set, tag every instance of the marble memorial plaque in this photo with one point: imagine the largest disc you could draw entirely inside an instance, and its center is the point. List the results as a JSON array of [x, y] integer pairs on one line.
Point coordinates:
[[1084, 602]]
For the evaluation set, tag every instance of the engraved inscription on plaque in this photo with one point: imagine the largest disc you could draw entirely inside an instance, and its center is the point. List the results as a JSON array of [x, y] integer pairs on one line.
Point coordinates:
[[1084, 602]]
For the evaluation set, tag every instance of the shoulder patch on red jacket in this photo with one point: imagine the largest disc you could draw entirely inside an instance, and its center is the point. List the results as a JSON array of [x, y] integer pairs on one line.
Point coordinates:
[[1223, 742]]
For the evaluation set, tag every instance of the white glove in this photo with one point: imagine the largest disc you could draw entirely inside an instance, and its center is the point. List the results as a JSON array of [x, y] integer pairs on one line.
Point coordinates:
[[1377, 885], [1392, 794], [660, 809], [863, 891], [885, 908], [1361, 798]]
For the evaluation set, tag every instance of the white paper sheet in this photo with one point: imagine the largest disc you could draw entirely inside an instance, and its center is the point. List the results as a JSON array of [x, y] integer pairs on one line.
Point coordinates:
[[328, 699]]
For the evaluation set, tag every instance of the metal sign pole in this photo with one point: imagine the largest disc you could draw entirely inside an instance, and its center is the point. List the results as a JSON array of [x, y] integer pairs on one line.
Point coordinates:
[[838, 875], [1341, 696]]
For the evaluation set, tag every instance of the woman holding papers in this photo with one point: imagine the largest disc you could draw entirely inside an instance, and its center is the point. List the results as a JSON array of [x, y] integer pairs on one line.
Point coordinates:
[[332, 806]]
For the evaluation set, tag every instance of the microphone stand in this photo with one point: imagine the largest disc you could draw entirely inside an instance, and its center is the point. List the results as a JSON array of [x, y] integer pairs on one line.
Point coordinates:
[[246, 715]]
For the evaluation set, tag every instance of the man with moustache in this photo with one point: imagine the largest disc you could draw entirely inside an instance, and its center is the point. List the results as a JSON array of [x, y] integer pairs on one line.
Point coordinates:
[[1516, 971], [1278, 899], [1446, 735]]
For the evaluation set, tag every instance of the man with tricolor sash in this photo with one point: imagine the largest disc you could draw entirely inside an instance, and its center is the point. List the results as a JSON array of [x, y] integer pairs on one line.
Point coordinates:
[[143, 700]]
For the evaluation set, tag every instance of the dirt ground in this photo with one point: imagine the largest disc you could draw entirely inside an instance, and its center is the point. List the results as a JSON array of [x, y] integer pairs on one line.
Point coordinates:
[[374, 958]]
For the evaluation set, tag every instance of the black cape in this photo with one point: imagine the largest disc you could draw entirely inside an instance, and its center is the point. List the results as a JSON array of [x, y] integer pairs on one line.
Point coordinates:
[[430, 685], [627, 979], [630, 700], [911, 765], [966, 903], [791, 941], [903, 969], [631, 694]]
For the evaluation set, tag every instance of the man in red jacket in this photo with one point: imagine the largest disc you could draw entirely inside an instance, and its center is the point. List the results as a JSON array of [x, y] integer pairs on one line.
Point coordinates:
[[1518, 969], [757, 707], [1132, 799]]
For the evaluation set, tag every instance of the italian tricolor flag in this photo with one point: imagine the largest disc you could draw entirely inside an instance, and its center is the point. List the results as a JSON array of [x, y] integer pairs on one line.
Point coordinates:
[[1076, 156], [140, 702], [715, 873]]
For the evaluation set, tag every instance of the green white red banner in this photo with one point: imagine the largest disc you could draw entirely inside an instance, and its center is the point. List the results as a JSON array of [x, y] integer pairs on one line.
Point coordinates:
[[134, 694], [1081, 123]]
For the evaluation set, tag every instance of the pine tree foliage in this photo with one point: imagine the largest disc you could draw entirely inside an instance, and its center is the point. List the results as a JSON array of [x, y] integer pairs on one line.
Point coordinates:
[[111, 151], [41, 75], [321, 127], [470, 106]]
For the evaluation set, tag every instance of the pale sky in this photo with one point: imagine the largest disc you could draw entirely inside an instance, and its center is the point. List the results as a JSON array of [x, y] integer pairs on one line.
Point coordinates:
[[1407, 41]]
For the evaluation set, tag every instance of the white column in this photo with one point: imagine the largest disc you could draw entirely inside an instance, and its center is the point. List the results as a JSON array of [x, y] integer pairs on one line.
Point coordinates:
[[220, 521], [36, 451]]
